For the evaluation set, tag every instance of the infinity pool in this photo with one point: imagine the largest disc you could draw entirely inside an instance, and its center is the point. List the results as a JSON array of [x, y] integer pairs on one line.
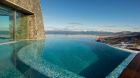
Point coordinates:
[[59, 57]]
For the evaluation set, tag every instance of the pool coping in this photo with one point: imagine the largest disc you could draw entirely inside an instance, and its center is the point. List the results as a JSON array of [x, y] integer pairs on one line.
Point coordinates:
[[132, 70], [11, 42], [8, 42], [120, 68]]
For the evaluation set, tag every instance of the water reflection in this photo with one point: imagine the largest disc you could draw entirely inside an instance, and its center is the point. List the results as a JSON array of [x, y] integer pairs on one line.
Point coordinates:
[[10, 64], [28, 71], [6, 23]]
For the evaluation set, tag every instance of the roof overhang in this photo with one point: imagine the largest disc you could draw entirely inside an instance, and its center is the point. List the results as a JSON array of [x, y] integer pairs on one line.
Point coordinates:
[[16, 7]]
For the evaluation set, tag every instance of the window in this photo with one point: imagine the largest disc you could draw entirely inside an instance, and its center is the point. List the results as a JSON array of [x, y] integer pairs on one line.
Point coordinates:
[[6, 19], [13, 24]]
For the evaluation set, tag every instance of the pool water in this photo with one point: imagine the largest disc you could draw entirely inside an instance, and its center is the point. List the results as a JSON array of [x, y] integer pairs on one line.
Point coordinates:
[[60, 57], [8, 61]]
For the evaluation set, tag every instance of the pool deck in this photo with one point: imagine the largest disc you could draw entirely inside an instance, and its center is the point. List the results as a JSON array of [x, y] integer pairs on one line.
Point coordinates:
[[133, 69]]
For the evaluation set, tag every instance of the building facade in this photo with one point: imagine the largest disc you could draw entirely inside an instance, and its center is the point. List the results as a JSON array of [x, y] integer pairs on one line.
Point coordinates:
[[21, 19]]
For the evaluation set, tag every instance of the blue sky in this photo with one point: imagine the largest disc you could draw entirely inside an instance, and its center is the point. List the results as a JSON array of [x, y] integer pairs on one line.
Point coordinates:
[[92, 15]]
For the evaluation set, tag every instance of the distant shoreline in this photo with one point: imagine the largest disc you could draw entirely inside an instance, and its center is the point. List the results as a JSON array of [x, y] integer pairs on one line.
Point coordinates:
[[78, 32], [125, 41], [77, 35]]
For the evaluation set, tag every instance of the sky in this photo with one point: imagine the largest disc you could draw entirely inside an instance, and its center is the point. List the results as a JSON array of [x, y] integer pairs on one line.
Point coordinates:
[[92, 15]]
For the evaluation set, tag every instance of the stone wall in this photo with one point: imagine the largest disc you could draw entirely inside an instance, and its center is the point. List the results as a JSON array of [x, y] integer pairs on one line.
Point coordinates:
[[34, 24]]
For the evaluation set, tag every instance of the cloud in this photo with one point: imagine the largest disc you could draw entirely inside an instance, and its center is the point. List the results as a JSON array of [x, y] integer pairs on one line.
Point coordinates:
[[75, 27]]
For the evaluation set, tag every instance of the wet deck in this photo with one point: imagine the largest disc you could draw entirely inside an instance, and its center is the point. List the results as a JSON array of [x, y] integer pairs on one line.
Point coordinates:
[[133, 69]]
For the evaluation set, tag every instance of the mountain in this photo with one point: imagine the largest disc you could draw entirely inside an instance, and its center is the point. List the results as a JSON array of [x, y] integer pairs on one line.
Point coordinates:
[[126, 34], [78, 32], [130, 40]]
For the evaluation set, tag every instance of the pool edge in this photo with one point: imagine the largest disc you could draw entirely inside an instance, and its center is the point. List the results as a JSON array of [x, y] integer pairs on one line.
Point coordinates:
[[119, 69]]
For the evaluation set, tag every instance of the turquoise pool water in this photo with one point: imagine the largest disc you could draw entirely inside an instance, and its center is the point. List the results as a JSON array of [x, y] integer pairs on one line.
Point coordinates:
[[60, 57]]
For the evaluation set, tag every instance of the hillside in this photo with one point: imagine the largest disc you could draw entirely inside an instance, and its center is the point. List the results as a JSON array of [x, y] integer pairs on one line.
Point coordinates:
[[123, 40]]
